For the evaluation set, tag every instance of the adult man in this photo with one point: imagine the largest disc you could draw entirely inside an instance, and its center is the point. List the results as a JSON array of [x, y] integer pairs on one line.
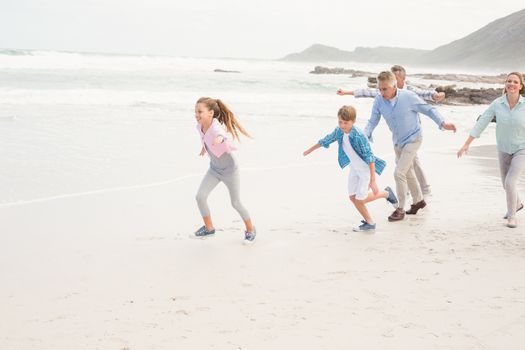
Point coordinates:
[[429, 95], [400, 109], [400, 74]]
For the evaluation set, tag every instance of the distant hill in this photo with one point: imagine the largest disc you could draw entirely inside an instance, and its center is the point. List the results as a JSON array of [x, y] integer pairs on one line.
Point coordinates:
[[500, 44], [318, 52]]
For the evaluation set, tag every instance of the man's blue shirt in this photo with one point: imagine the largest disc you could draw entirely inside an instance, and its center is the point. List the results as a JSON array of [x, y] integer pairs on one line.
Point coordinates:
[[401, 116]]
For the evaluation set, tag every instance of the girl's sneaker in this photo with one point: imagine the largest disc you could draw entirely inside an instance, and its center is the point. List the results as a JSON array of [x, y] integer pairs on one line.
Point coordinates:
[[249, 236], [203, 233], [519, 208], [392, 199], [365, 227]]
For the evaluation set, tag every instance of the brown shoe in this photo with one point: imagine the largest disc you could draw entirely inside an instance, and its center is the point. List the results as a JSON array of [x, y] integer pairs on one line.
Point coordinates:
[[398, 214], [415, 207]]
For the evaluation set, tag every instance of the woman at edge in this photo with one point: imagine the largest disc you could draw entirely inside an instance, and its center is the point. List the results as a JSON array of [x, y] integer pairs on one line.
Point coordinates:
[[509, 110]]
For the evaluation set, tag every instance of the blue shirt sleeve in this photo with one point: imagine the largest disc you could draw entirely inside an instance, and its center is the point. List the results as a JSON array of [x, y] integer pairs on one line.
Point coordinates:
[[364, 148], [328, 139], [365, 93], [428, 110], [424, 94], [483, 121]]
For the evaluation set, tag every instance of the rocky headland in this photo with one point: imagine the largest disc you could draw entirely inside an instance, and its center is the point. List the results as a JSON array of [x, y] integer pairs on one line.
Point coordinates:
[[454, 95]]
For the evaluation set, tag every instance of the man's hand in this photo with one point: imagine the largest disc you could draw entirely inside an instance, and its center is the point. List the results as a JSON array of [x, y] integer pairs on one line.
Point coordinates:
[[448, 126], [438, 96]]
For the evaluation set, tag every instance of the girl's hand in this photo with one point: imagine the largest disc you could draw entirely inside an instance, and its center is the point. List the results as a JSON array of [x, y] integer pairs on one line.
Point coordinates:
[[341, 92], [373, 187], [218, 139], [203, 151], [307, 152], [463, 150]]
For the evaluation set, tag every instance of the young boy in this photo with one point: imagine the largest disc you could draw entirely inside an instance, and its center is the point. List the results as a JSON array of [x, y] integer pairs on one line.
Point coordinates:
[[354, 150]]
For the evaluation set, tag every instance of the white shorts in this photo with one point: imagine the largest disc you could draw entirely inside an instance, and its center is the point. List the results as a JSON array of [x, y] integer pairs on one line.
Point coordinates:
[[358, 181]]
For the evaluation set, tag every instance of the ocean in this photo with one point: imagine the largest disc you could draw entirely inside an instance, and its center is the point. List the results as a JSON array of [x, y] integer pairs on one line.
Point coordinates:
[[72, 124]]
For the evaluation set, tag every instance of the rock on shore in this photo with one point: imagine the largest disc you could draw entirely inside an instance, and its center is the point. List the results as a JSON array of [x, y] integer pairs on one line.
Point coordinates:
[[463, 96]]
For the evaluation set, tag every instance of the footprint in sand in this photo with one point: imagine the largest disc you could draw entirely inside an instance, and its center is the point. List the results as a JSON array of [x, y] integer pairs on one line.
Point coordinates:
[[150, 238]]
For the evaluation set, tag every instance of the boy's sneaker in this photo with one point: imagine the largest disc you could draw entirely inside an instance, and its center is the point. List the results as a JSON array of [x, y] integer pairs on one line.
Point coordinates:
[[392, 199], [203, 233], [364, 227], [249, 236]]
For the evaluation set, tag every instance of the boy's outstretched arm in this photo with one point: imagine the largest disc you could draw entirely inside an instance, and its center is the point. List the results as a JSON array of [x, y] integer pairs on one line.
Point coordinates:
[[311, 149]]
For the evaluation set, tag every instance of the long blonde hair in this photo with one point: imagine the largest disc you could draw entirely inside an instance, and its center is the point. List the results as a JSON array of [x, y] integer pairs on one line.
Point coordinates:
[[224, 115], [520, 78]]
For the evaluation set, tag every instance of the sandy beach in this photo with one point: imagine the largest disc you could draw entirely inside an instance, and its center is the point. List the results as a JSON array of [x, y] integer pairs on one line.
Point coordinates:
[[116, 270], [99, 174], [100, 169]]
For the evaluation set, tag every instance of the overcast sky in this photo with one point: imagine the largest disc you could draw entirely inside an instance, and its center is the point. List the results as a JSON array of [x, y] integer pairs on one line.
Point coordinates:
[[239, 28]]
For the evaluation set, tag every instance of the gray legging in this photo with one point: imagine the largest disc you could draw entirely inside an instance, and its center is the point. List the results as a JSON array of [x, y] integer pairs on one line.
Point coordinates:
[[210, 181], [511, 166]]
